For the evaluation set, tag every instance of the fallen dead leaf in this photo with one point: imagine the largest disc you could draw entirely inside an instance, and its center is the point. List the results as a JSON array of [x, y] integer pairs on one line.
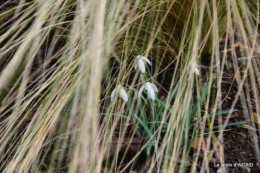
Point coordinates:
[[195, 143], [221, 152], [256, 118]]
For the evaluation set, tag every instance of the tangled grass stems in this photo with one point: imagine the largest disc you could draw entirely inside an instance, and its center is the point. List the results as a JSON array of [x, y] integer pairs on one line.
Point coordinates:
[[59, 61]]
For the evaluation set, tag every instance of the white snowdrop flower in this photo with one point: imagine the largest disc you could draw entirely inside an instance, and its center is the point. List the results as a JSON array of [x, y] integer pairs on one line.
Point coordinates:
[[122, 92], [151, 89], [139, 62], [194, 67]]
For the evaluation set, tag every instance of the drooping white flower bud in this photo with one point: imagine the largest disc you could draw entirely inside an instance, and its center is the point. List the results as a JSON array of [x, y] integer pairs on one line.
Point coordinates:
[[151, 89], [122, 92], [140, 63]]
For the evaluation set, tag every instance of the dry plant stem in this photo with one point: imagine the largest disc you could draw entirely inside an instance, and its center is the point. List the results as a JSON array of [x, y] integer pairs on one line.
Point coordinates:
[[91, 60], [217, 100], [16, 60], [219, 74], [249, 54], [116, 121]]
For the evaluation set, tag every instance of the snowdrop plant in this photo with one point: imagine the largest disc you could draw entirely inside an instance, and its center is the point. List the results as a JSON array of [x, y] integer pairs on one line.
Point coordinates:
[[122, 91], [150, 88], [146, 123], [140, 63]]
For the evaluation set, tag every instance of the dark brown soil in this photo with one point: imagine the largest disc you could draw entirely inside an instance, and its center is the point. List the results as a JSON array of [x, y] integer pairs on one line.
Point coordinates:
[[240, 152]]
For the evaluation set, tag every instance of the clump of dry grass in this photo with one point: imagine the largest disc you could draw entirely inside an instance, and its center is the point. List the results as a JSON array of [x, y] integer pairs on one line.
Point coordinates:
[[59, 61]]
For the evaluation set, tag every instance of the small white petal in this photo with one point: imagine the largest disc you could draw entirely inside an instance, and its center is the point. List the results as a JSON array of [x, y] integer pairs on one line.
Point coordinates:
[[141, 65], [113, 94], [154, 87], [140, 91], [135, 62], [123, 94], [150, 90], [135, 66], [146, 59], [196, 71], [194, 66]]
